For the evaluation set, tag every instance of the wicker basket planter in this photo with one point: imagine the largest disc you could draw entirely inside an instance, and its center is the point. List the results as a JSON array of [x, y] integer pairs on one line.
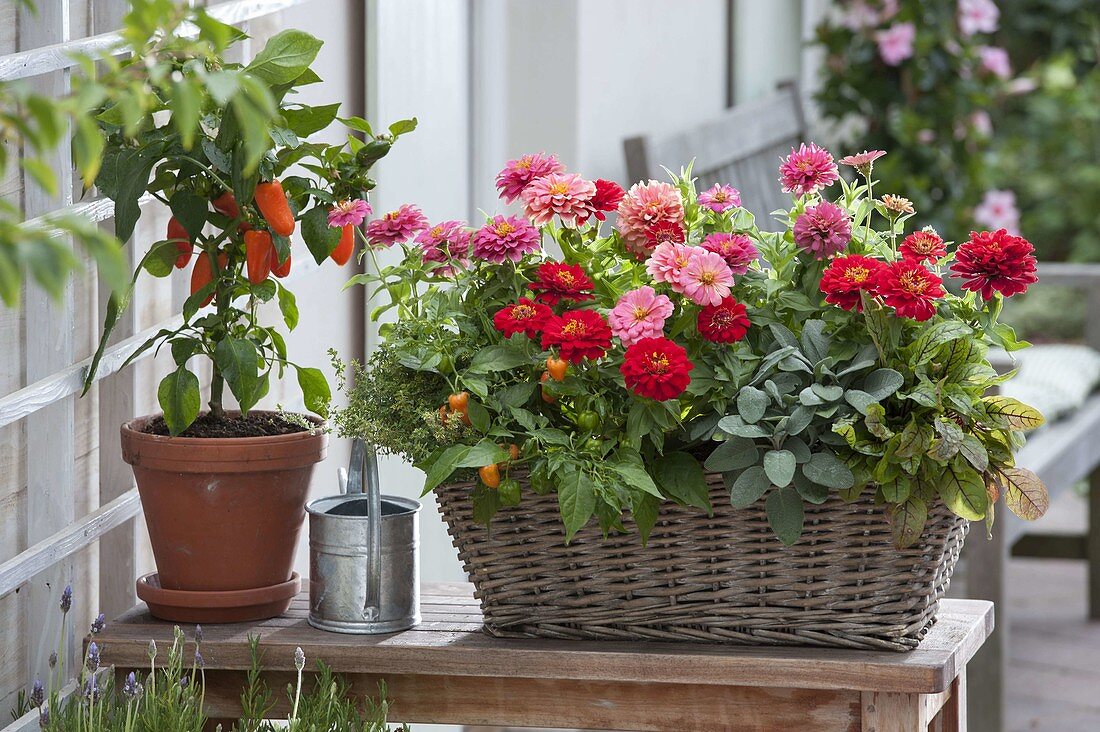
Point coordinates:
[[720, 579]]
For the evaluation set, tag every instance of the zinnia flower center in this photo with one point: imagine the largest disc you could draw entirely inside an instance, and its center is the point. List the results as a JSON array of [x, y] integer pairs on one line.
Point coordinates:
[[721, 320], [390, 216], [437, 231], [524, 163], [566, 278], [574, 328], [558, 189], [657, 363], [707, 278], [641, 312], [857, 275], [721, 197], [504, 228], [913, 283], [523, 312]]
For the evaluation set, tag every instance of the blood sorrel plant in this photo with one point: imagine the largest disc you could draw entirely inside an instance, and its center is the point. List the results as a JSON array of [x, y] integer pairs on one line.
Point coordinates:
[[223, 145], [824, 358]]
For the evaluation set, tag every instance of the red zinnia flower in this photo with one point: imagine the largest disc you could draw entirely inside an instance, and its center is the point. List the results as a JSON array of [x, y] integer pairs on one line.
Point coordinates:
[[923, 246], [578, 334], [656, 368], [664, 231], [525, 316], [846, 277], [910, 288], [557, 282], [997, 261], [725, 322], [607, 198]]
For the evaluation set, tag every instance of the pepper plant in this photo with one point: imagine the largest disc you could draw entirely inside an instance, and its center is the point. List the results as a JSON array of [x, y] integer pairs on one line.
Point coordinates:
[[225, 147]]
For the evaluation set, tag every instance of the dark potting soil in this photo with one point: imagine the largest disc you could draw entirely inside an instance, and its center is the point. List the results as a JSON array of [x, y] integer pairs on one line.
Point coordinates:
[[254, 425]]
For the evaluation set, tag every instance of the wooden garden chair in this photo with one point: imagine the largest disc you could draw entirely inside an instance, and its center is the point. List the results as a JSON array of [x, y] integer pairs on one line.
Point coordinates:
[[743, 148]]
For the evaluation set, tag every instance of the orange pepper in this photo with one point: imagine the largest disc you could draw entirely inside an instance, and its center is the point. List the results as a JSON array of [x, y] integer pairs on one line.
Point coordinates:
[[271, 200]]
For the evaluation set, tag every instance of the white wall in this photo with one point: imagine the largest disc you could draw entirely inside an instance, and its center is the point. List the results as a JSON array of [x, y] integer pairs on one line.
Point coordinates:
[[767, 42]]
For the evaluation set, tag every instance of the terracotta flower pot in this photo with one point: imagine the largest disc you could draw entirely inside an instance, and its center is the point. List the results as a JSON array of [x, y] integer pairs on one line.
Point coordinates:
[[223, 514]]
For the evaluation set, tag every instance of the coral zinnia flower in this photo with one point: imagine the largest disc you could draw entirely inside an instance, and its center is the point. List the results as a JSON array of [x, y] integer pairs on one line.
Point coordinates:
[[910, 288], [807, 170], [566, 194], [578, 334], [705, 279], [396, 226], [609, 195], [352, 211], [656, 368], [864, 161], [823, 230], [665, 231], [444, 242], [995, 261], [639, 314], [667, 260], [725, 322], [720, 198], [644, 206], [526, 316], [923, 246], [504, 239], [557, 282], [846, 277], [737, 249], [897, 204], [519, 173]]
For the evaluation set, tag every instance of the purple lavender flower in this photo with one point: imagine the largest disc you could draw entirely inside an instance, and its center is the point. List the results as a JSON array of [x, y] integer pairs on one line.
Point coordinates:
[[44, 717], [198, 634], [99, 623], [93, 656], [67, 599], [198, 659], [184, 682], [90, 690], [131, 688], [299, 658], [38, 693]]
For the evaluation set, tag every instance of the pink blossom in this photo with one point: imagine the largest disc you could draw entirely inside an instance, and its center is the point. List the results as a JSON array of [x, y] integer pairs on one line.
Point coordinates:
[[705, 279], [720, 198], [978, 16], [995, 60], [737, 249], [396, 226], [565, 194], [643, 206], [505, 239], [859, 15], [998, 211], [639, 314], [895, 44], [982, 123], [807, 170], [518, 174], [445, 242], [667, 260], [926, 136], [353, 211], [823, 230], [864, 161]]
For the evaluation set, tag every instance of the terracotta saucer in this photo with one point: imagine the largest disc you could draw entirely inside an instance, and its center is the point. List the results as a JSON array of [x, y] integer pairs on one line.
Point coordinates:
[[217, 606]]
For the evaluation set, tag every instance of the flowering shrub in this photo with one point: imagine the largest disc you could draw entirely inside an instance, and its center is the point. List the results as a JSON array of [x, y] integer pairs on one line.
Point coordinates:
[[924, 79], [614, 367]]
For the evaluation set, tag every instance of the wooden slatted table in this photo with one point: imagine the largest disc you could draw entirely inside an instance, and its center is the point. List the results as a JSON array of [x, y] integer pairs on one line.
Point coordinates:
[[447, 670]]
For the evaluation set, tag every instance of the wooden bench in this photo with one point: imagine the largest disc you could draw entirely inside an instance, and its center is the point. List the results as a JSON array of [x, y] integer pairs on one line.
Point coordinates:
[[448, 671]]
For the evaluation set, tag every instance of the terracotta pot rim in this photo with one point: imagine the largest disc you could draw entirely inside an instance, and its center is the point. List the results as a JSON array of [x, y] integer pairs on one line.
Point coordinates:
[[131, 429], [148, 589]]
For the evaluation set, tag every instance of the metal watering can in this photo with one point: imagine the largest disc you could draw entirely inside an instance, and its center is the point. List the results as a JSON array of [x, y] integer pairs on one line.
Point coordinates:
[[364, 559]]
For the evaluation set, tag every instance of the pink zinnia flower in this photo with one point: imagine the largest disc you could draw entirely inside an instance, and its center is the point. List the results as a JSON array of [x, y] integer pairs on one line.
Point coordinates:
[[640, 314], [823, 230], [895, 44], [998, 211], [445, 242], [396, 226], [807, 170], [978, 16], [643, 206], [720, 198], [519, 173], [667, 260], [353, 211], [505, 239], [864, 161], [566, 194], [737, 249], [705, 279], [995, 60]]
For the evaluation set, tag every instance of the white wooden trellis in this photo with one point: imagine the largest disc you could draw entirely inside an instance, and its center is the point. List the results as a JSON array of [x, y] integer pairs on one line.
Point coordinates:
[[45, 406]]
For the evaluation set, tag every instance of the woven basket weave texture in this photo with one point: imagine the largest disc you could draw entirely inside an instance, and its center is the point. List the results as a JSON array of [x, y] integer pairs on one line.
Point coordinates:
[[718, 579]]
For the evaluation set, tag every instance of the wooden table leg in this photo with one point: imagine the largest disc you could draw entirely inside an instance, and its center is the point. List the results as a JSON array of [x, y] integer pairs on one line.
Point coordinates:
[[986, 562], [952, 717], [892, 712]]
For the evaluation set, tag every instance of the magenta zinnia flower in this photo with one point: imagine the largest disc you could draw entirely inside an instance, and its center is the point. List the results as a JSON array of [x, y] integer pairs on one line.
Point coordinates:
[[807, 170], [396, 226], [705, 279], [720, 198], [995, 261], [737, 249], [519, 173], [445, 242], [640, 314], [565, 194], [353, 211], [505, 239], [667, 260], [823, 230], [644, 206]]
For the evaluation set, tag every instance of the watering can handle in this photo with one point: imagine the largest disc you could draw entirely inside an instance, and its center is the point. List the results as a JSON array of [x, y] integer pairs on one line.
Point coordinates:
[[363, 478]]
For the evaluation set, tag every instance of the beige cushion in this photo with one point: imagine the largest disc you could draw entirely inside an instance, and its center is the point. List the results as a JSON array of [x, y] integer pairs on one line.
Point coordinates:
[[1056, 379]]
